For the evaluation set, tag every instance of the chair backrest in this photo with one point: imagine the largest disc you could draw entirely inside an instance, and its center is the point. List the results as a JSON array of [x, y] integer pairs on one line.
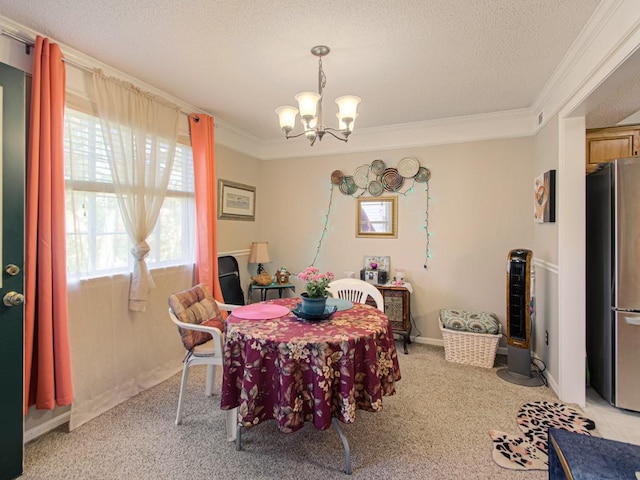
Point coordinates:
[[195, 306], [356, 291], [229, 276]]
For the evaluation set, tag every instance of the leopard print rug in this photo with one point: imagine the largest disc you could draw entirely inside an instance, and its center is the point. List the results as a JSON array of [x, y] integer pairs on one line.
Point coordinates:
[[530, 453]]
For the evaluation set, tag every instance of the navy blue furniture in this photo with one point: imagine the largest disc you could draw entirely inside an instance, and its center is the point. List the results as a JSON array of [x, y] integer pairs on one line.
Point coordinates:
[[583, 457]]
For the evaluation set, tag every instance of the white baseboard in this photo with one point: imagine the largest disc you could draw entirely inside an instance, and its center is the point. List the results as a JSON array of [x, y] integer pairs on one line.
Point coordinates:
[[47, 426], [428, 341]]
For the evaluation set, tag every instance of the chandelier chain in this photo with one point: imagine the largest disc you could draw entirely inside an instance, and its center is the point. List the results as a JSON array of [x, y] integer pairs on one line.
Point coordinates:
[[322, 78]]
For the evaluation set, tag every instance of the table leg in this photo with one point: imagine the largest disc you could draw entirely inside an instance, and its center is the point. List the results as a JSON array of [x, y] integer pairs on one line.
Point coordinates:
[[345, 444], [263, 294], [239, 438]]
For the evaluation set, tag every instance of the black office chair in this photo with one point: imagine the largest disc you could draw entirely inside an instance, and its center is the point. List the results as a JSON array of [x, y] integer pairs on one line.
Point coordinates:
[[229, 276]]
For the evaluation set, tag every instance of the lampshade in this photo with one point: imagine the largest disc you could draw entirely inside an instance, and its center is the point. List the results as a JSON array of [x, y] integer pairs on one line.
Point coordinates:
[[308, 104], [259, 252], [348, 105], [287, 116]]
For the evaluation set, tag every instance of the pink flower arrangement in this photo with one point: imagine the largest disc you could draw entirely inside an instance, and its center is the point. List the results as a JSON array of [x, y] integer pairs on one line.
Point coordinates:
[[315, 282]]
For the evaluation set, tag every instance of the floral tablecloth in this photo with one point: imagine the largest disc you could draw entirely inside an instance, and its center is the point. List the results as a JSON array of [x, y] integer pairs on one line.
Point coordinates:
[[294, 371]]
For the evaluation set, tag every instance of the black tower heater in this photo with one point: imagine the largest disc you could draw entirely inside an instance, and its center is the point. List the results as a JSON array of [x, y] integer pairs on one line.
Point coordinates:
[[519, 320]]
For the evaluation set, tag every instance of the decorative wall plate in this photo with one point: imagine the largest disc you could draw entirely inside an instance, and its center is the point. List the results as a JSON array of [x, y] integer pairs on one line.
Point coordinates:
[[391, 180], [423, 175], [348, 185], [375, 188], [408, 167], [377, 166], [336, 177], [361, 176]]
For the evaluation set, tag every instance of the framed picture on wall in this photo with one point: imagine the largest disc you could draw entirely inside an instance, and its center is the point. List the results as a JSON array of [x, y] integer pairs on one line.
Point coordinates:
[[236, 201], [544, 197]]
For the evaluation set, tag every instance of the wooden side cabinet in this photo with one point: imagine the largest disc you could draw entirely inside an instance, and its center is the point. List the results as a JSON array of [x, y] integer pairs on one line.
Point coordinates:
[[397, 307], [606, 144]]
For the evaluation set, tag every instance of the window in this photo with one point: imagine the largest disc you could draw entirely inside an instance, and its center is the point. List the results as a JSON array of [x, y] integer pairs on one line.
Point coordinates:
[[97, 242]]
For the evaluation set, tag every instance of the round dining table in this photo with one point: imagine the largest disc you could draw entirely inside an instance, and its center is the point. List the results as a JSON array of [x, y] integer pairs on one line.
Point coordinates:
[[282, 367]]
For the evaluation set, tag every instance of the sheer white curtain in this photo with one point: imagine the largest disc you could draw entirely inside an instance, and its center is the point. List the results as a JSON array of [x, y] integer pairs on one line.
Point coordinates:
[[140, 132]]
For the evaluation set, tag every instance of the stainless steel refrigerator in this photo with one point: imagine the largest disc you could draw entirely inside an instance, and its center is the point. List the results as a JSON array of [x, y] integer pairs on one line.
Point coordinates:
[[613, 282]]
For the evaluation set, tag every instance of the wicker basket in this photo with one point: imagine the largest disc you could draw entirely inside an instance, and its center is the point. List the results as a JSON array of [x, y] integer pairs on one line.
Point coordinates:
[[477, 349]]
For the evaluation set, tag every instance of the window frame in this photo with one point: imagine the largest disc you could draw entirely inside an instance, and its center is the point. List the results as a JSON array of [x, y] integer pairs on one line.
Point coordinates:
[[97, 187]]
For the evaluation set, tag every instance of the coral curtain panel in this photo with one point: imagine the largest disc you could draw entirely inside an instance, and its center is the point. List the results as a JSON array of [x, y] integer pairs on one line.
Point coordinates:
[[204, 169], [47, 361]]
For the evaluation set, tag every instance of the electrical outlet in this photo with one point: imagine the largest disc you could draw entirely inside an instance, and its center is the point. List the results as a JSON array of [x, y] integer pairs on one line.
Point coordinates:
[[546, 337]]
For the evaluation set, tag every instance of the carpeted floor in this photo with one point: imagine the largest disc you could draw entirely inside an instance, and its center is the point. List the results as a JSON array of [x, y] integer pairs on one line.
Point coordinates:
[[435, 427]]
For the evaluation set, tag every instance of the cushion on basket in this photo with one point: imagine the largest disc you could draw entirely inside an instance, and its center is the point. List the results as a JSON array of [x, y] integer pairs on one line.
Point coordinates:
[[476, 322], [470, 348]]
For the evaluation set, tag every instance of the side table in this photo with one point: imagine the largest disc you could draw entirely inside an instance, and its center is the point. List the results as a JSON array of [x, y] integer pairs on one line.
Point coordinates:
[[263, 289], [397, 307]]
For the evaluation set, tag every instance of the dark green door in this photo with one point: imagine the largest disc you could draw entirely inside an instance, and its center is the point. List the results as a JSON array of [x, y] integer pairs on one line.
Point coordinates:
[[12, 165]]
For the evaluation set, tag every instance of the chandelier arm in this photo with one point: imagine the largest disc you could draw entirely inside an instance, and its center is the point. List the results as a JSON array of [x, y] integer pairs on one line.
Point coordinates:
[[288, 136], [328, 130]]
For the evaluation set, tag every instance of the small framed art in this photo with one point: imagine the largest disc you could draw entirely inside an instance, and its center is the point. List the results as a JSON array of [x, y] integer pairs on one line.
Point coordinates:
[[236, 201], [544, 197]]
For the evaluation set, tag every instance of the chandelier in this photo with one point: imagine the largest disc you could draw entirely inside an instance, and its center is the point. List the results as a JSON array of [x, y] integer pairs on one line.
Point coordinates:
[[310, 109]]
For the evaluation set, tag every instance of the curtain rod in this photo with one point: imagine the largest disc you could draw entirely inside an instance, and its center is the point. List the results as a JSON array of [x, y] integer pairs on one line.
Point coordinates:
[[29, 44]]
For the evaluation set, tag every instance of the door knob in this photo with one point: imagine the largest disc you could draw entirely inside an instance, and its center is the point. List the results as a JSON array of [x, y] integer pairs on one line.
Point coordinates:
[[12, 269], [13, 299]]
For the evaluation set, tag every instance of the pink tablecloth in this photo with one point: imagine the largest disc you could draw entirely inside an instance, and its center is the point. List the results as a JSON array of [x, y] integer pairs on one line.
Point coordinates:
[[295, 371]]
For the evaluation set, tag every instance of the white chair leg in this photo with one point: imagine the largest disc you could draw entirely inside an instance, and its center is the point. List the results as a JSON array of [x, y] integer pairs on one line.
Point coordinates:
[[183, 387], [211, 380], [232, 424]]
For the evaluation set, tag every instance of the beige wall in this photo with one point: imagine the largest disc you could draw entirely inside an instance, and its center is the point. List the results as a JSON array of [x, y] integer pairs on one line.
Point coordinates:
[[480, 208], [234, 235], [545, 235], [545, 243]]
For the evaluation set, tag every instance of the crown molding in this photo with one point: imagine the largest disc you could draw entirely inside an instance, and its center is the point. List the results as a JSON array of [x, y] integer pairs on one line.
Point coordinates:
[[505, 124], [607, 40]]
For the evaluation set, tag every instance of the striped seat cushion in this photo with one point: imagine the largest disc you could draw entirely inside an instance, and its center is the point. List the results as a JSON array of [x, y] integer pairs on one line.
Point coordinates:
[[196, 305]]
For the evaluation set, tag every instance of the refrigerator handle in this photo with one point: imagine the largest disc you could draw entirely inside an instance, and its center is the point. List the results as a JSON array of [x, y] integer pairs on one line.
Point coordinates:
[[632, 320]]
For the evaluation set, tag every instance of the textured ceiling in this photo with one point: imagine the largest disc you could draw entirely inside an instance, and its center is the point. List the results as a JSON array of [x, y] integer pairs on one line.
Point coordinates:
[[409, 60], [620, 107]]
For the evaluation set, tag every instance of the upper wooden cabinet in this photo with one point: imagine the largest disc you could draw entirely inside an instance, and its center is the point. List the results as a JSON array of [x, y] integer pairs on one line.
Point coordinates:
[[606, 144]]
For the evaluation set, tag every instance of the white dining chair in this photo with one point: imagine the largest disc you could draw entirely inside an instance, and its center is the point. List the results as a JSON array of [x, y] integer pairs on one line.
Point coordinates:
[[197, 315], [356, 291]]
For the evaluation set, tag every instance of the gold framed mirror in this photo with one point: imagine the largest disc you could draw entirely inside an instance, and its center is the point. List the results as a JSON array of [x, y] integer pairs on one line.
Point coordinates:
[[377, 217]]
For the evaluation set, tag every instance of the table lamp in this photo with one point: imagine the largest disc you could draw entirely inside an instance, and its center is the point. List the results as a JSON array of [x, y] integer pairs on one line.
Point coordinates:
[[259, 254]]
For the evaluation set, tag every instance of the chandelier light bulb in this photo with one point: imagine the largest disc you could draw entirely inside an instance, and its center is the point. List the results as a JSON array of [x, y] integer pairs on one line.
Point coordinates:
[[346, 124]]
